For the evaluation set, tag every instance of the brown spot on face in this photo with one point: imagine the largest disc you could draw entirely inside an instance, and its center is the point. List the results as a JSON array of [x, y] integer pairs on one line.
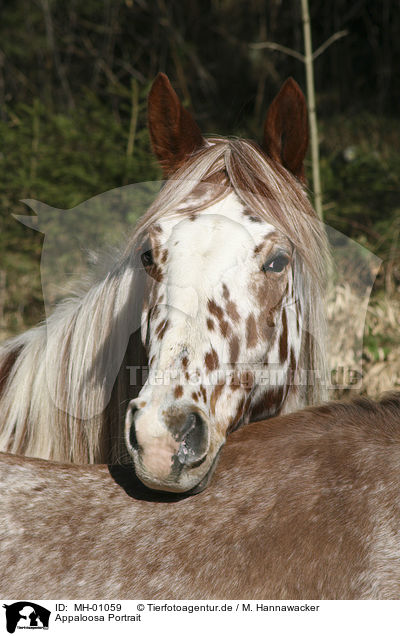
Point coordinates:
[[211, 360], [210, 324], [225, 291], [251, 331], [185, 362], [195, 397], [178, 392], [270, 320], [232, 311], [234, 349], [157, 273], [215, 396], [164, 256], [203, 393], [224, 328], [266, 328], [142, 404], [215, 309], [187, 376], [162, 328], [283, 340], [218, 312]]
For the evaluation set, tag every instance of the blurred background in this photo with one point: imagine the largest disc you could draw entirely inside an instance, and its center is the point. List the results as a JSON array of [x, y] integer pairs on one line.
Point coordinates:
[[74, 78]]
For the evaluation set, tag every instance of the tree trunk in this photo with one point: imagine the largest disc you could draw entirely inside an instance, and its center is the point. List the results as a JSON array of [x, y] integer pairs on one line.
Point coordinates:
[[308, 60]]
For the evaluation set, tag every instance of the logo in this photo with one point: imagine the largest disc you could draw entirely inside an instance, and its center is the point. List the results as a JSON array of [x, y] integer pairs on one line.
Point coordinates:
[[26, 615]]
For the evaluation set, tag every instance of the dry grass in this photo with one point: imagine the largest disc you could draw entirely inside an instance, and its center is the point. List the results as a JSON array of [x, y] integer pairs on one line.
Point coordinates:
[[383, 374], [378, 324]]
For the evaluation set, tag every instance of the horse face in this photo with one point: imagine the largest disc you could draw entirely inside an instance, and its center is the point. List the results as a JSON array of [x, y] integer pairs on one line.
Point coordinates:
[[220, 307]]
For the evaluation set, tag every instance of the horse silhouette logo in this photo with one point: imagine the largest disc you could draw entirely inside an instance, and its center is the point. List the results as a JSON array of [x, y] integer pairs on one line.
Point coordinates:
[[26, 615]]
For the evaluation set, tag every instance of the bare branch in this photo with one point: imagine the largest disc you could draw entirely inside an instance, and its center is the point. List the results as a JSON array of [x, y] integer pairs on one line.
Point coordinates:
[[299, 56], [309, 63], [328, 42], [278, 47]]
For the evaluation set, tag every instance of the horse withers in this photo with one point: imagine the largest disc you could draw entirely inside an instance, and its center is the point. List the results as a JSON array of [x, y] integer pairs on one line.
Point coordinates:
[[304, 507], [225, 275]]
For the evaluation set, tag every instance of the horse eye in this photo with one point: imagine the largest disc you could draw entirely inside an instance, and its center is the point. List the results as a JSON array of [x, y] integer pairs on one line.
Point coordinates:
[[147, 258], [276, 264]]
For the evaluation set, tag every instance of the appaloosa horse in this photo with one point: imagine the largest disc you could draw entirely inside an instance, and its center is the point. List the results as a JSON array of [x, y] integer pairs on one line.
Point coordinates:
[[225, 274], [304, 507]]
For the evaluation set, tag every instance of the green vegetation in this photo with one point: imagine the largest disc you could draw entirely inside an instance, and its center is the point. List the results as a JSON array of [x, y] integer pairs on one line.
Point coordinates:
[[62, 160], [73, 85]]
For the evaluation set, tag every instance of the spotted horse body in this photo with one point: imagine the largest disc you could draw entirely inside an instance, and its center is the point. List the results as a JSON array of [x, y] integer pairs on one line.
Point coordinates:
[[303, 506], [229, 294]]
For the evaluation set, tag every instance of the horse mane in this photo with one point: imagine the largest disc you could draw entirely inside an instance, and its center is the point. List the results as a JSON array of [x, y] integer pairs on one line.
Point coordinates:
[[63, 384]]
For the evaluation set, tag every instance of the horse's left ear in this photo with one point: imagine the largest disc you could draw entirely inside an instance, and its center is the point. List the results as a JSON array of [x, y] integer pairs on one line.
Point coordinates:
[[286, 128], [173, 132]]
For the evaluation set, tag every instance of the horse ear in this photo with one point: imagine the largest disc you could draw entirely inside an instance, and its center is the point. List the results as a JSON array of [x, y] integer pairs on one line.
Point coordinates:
[[286, 128], [173, 132]]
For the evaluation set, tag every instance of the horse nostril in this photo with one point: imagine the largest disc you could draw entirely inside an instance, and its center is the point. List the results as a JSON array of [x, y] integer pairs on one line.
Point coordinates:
[[190, 423], [132, 430], [132, 437], [194, 440]]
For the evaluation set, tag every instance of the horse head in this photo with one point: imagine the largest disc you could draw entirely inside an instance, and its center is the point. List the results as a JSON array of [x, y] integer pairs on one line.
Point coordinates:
[[234, 258]]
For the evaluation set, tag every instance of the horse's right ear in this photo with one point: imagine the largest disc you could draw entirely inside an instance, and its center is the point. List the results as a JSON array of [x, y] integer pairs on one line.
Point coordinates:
[[173, 132], [286, 128]]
